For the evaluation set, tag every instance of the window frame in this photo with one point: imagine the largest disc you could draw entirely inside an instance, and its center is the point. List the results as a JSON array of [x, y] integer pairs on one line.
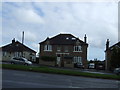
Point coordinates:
[[77, 59], [47, 47], [77, 48]]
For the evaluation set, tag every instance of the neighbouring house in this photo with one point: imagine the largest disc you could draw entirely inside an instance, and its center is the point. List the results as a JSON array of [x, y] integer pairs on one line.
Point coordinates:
[[63, 50], [17, 49], [109, 53]]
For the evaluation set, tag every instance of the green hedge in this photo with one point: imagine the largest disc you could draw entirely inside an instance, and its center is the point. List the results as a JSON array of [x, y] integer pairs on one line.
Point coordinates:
[[58, 71], [48, 58]]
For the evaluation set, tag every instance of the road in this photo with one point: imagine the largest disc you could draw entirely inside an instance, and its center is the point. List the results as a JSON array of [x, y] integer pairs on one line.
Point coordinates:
[[24, 79]]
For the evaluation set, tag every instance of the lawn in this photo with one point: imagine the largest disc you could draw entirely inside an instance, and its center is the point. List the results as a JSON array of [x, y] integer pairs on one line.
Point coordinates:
[[58, 71]]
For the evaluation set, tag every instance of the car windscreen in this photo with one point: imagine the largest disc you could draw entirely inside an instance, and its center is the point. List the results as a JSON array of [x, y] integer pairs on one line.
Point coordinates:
[[24, 59]]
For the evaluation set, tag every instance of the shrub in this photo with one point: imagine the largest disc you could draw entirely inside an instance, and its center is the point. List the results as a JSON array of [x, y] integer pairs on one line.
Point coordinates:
[[48, 58]]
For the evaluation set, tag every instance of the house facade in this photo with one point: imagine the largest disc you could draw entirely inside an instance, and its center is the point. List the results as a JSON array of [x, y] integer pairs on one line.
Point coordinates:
[[108, 54], [17, 49], [67, 50]]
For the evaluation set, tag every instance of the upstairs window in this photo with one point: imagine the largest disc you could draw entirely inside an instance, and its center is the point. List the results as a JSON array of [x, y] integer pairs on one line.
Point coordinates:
[[4, 53], [48, 48], [66, 49], [58, 49], [77, 48]]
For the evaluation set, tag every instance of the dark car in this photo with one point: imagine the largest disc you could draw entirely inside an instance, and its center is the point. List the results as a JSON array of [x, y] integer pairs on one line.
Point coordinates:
[[20, 60], [117, 71]]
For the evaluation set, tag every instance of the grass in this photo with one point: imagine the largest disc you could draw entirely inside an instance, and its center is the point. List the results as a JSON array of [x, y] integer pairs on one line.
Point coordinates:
[[58, 71]]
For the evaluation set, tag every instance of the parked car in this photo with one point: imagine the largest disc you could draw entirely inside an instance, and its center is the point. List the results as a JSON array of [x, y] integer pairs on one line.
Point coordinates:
[[117, 71], [100, 67], [91, 66], [79, 65], [21, 60]]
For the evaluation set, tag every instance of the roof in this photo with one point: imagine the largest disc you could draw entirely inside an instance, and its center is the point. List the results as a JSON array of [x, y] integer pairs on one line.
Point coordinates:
[[63, 39], [16, 47], [115, 45]]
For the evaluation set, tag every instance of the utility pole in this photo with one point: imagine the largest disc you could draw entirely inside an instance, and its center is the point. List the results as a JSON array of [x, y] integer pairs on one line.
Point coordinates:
[[22, 41]]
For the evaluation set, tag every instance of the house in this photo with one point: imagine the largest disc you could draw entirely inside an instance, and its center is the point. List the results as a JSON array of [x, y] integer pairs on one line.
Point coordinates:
[[63, 50], [108, 54], [17, 49]]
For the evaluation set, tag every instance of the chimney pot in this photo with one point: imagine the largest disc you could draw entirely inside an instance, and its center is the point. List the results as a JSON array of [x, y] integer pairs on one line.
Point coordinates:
[[85, 39], [107, 44], [13, 41]]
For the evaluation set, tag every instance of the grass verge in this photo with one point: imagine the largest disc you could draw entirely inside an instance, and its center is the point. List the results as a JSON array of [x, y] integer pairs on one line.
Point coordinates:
[[58, 71]]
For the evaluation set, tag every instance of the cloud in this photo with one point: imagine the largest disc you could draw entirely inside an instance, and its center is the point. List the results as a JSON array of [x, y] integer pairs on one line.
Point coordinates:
[[28, 36], [40, 20], [28, 16]]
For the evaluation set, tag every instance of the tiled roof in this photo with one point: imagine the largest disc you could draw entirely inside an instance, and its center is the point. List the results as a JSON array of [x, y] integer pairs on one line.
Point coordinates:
[[16, 47], [63, 39], [115, 45]]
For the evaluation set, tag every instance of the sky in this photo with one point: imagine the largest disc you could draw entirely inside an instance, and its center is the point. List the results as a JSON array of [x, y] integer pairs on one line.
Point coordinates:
[[39, 20]]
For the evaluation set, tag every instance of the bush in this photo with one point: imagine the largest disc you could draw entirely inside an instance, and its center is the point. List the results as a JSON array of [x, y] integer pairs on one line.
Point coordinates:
[[48, 58], [58, 71]]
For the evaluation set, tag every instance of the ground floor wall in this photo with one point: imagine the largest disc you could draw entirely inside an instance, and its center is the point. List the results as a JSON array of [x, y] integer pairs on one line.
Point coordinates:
[[61, 61], [6, 56]]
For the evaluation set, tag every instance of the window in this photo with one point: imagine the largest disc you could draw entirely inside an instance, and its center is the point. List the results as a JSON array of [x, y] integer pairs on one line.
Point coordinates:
[[77, 48], [20, 54], [67, 38], [66, 49], [4, 53], [58, 49], [47, 48], [78, 59], [73, 38], [16, 54]]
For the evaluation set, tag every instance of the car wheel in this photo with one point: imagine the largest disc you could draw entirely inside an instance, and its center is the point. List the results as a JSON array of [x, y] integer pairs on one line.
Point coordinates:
[[26, 64]]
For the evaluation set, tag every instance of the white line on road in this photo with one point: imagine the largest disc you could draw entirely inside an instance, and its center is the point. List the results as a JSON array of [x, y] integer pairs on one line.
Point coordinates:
[[33, 84]]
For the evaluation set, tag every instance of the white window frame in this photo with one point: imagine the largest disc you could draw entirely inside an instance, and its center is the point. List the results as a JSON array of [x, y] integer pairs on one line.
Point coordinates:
[[66, 49], [77, 59], [58, 49], [77, 49], [16, 54], [48, 48], [4, 53]]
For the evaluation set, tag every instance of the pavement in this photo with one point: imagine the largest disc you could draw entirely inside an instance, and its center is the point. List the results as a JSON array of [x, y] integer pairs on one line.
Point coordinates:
[[25, 79]]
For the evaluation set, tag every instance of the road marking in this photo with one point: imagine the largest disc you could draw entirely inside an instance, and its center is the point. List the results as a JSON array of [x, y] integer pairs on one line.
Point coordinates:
[[35, 84]]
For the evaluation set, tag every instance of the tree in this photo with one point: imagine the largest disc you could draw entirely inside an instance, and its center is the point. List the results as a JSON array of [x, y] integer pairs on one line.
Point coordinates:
[[115, 58]]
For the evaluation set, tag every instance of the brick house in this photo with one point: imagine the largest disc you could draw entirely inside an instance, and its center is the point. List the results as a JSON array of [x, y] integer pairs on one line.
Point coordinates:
[[67, 49], [108, 53], [17, 49]]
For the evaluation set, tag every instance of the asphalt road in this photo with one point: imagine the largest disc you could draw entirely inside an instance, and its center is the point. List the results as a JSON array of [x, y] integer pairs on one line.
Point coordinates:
[[24, 79]]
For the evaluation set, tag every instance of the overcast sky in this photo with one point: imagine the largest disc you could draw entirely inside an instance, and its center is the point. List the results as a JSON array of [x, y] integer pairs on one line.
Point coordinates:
[[39, 20]]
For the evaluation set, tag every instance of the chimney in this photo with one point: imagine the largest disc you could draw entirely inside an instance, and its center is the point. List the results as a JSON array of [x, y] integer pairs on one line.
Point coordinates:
[[85, 39], [107, 44], [13, 41], [23, 37]]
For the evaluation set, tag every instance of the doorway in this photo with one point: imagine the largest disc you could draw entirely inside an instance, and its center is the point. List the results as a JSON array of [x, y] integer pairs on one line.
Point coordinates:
[[58, 61]]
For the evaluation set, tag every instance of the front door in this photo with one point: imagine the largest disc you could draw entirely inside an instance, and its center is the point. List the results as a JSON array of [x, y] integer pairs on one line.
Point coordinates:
[[58, 61]]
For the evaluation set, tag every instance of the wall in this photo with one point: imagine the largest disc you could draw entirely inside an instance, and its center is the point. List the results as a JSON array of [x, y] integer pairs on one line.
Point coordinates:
[[9, 55], [71, 52]]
